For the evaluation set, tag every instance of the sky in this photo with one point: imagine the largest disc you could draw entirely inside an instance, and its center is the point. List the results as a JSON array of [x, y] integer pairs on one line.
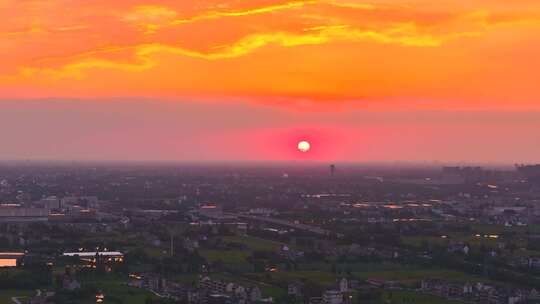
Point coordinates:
[[204, 80]]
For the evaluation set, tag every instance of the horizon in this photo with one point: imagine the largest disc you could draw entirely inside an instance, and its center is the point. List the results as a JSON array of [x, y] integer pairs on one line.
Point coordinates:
[[267, 164]]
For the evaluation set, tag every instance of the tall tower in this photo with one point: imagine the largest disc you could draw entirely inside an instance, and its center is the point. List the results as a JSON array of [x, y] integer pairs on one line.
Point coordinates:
[[332, 169], [172, 245]]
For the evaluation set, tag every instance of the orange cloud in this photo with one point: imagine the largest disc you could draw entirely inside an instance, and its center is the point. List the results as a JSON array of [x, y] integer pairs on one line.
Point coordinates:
[[453, 54]]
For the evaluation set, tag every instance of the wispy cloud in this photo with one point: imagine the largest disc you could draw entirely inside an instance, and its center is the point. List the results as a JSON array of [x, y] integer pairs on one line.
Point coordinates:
[[305, 48]]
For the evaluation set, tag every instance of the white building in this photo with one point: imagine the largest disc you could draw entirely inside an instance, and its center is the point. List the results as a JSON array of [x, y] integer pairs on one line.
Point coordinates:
[[343, 285], [332, 297], [51, 202]]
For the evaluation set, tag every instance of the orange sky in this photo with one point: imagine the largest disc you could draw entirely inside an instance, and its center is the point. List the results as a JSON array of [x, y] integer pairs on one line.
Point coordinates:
[[379, 54], [447, 80]]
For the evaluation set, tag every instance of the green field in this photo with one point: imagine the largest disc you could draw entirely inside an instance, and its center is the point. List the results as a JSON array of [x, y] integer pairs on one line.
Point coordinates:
[[398, 297], [410, 276], [156, 252], [476, 235], [321, 277], [119, 289], [226, 256], [474, 241], [239, 256], [254, 243]]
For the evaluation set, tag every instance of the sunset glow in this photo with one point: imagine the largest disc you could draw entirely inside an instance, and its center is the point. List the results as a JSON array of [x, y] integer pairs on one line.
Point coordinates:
[[294, 59], [375, 54]]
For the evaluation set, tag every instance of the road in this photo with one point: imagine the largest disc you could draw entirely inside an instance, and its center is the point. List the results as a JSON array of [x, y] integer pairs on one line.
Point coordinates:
[[312, 229]]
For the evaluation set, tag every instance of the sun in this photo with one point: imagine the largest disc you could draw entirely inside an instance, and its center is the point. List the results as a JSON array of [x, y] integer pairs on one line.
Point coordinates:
[[304, 146]]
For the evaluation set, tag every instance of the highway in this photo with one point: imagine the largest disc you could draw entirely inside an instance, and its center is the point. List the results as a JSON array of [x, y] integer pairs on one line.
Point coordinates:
[[304, 227]]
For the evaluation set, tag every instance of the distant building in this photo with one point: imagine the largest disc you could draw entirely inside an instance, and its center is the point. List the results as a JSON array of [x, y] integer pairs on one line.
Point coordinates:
[[255, 294], [215, 286], [20, 214], [530, 172], [211, 211], [295, 289], [469, 174], [262, 211], [219, 299], [10, 259], [218, 290], [51, 202], [91, 257], [23, 212], [332, 297], [344, 285]]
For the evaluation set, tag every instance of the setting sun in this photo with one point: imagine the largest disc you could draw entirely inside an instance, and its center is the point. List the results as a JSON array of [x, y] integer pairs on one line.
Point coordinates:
[[304, 146]]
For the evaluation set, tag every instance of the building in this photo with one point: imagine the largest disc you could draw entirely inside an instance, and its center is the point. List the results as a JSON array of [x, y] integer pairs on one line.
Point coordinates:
[[530, 172], [10, 259], [343, 285], [21, 214], [295, 289], [219, 299], [255, 294], [91, 258], [211, 211], [332, 297], [51, 202], [214, 286], [263, 211], [232, 291]]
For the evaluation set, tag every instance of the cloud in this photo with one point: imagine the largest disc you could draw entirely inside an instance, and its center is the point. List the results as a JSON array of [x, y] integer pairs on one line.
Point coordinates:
[[241, 13], [328, 50], [150, 17], [401, 34]]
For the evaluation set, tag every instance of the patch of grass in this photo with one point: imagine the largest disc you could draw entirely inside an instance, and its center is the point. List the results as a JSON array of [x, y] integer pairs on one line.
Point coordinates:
[[408, 276], [226, 256], [472, 240], [497, 229], [321, 277], [156, 252], [7, 294], [118, 289], [398, 297], [255, 243], [239, 256]]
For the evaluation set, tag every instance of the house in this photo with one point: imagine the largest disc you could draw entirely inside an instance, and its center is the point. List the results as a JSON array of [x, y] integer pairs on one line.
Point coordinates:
[[343, 285], [295, 289], [315, 300], [332, 297], [533, 262], [214, 286], [233, 293], [255, 294], [240, 292]]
